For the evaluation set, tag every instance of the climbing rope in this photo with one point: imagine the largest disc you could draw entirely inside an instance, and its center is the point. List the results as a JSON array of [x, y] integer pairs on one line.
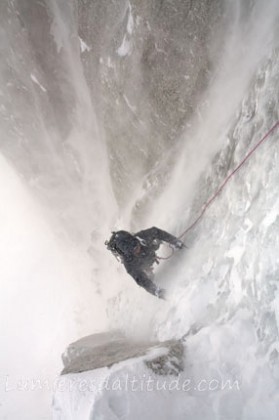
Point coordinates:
[[226, 180]]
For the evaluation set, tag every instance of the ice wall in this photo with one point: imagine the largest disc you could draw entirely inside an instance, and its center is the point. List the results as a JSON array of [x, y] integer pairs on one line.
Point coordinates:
[[127, 114]]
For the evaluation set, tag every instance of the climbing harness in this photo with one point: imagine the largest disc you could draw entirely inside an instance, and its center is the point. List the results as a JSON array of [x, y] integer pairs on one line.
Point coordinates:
[[226, 180]]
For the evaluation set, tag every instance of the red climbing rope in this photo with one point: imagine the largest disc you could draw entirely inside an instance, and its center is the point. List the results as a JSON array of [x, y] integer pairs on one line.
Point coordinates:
[[210, 201]]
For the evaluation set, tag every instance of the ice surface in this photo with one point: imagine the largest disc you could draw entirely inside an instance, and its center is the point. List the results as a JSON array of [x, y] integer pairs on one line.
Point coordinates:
[[83, 46], [35, 80], [125, 47]]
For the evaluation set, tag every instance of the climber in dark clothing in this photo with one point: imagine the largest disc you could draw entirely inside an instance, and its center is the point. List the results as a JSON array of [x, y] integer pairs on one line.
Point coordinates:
[[138, 254]]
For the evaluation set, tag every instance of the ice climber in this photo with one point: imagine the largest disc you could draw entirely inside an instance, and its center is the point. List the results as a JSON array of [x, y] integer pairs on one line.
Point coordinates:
[[138, 254]]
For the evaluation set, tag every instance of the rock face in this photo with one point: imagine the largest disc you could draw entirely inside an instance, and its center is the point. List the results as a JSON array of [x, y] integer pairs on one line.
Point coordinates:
[[147, 64], [107, 376], [106, 349], [126, 76]]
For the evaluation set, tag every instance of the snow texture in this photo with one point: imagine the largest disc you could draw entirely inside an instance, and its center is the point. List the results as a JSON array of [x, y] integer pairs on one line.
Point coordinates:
[[126, 115]]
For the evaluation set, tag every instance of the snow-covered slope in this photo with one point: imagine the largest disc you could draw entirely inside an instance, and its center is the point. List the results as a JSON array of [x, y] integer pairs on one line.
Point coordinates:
[[226, 281], [126, 115], [128, 378]]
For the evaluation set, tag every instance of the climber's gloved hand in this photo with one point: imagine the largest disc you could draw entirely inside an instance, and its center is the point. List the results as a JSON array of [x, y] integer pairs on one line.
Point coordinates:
[[179, 244], [161, 294]]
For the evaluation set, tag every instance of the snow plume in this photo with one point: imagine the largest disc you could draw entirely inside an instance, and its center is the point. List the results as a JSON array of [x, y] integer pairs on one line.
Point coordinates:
[[95, 138], [43, 282], [50, 148]]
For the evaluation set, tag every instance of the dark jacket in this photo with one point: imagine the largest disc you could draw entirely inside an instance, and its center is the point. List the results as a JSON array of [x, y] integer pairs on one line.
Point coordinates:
[[138, 254]]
